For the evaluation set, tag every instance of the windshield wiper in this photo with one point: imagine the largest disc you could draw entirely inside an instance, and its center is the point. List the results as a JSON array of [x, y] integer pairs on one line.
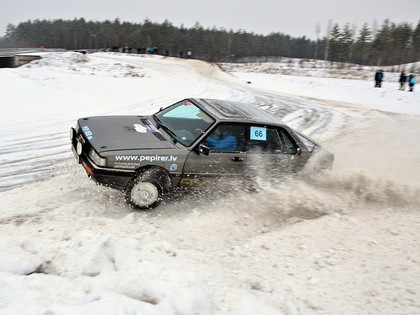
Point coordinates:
[[166, 128]]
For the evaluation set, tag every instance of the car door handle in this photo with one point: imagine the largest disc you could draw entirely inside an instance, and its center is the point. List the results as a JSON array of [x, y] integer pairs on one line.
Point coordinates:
[[237, 159]]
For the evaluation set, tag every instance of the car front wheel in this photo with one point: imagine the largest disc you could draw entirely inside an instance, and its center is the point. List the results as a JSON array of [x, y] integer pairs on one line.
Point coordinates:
[[146, 189]]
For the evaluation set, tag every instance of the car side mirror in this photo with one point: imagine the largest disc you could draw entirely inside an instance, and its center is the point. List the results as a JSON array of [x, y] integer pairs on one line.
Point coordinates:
[[298, 151], [203, 149]]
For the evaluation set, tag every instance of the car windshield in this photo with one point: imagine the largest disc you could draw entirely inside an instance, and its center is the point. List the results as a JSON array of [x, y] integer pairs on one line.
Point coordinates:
[[184, 121]]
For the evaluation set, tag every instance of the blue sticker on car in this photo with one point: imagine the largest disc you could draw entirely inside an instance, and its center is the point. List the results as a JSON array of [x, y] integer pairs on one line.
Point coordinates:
[[258, 133], [87, 132], [173, 167]]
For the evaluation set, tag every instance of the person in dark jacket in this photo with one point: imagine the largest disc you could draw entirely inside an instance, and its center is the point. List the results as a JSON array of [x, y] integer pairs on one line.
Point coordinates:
[[403, 80], [379, 76]]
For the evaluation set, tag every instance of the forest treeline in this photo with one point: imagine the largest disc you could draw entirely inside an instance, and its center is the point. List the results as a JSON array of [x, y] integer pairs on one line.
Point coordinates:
[[388, 44]]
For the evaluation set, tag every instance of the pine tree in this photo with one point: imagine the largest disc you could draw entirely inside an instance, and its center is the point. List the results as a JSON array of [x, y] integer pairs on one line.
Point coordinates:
[[363, 41]]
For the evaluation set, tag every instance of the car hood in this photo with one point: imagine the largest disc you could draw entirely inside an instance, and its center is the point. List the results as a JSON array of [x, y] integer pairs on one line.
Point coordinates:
[[113, 133]]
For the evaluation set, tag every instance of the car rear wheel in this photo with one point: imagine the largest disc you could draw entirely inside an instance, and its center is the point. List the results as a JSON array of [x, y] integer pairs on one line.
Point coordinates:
[[145, 191]]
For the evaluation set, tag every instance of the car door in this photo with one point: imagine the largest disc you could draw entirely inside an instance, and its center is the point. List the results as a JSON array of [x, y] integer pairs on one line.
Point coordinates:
[[218, 163], [271, 151]]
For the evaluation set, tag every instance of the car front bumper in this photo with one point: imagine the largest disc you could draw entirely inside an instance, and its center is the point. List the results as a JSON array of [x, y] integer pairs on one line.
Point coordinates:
[[117, 179]]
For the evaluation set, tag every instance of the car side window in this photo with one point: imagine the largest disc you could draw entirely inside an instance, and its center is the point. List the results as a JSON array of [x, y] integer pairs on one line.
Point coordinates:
[[289, 145], [308, 143], [226, 138], [263, 139]]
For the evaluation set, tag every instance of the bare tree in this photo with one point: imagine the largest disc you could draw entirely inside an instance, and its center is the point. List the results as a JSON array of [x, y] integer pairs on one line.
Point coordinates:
[[327, 45], [317, 32]]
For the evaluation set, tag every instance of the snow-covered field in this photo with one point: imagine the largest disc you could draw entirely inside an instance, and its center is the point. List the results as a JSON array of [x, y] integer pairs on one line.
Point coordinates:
[[345, 242]]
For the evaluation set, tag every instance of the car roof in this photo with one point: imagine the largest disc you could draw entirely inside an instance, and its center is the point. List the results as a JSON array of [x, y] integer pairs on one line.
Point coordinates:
[[224, 110]]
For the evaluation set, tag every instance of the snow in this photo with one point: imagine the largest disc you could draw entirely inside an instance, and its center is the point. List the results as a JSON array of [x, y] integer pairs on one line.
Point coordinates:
[[342, 242]]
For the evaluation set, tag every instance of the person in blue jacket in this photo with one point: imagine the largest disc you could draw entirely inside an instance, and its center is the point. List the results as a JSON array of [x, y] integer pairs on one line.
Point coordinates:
[[411, 82], [379, 76], [221, 140]]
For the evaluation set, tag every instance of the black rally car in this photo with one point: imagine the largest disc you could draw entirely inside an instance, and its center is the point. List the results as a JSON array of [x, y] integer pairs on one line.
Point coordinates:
[[191, 142]]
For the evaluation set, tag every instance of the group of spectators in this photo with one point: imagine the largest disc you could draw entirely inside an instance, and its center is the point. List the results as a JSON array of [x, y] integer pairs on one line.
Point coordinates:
[[410, 79], [150, 50], [404, 80]]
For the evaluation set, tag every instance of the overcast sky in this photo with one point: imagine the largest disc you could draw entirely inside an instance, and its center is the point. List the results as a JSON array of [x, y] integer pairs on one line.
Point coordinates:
[[293, 17]]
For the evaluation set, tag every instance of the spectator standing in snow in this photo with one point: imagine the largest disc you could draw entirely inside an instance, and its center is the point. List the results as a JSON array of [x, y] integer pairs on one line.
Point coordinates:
[[403, 80], [379, 76], [411, 82]]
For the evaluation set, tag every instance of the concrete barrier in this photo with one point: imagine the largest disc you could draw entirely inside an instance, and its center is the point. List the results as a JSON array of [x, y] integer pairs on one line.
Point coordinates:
[[7, 61], [16, 60], [23, 59]]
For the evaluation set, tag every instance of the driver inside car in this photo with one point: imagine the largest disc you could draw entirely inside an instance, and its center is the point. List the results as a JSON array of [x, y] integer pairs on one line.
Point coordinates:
[[222, 140]]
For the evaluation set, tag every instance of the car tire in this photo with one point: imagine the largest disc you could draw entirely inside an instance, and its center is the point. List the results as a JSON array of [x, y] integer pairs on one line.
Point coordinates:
[[145, 191]]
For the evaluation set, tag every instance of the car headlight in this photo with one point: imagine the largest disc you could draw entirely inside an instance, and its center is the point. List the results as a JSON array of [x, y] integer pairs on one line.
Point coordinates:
[[97, 158], [79, 148]]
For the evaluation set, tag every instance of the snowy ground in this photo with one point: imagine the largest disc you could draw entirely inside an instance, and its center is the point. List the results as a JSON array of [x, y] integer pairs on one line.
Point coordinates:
[[345, 242]]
